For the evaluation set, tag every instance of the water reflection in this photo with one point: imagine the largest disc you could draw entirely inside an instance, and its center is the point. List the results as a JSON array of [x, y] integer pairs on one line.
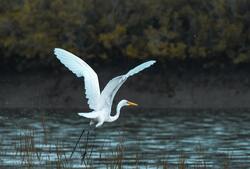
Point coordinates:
[[149, 137]]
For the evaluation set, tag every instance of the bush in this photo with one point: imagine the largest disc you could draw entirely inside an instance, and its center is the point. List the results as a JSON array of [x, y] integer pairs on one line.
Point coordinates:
[[215, 30]]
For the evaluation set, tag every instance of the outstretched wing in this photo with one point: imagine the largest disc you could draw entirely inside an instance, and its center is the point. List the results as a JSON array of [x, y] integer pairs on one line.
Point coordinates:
[[81, 69], [113, 85]]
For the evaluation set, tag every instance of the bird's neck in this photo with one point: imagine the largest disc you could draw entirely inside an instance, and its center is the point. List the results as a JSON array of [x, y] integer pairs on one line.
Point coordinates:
[[118, 109]]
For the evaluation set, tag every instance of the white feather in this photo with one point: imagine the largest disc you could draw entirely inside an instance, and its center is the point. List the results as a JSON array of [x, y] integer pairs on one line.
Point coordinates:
[[90, 115], [113, 85], [81, 69], [140, 67]]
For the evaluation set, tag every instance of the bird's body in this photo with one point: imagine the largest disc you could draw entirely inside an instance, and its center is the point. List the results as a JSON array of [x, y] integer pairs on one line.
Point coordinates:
[[99, 102]]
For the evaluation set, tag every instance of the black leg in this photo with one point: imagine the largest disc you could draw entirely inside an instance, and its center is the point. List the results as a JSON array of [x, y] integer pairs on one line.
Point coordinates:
[[85, 149], [84, 155], [77, 143]]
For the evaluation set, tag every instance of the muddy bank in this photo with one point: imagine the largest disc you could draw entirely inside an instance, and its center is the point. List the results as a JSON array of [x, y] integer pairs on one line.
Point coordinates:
[[62, 90]]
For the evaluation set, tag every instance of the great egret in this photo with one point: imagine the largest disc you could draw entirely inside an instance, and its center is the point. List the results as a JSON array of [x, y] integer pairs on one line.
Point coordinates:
[[100, 103]]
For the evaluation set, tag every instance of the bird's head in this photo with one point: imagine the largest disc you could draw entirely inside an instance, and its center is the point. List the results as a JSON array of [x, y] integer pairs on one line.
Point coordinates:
[[128, 103]]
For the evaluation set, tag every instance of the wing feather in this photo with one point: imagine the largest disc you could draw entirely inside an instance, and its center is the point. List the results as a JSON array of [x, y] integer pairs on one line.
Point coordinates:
[[113, 85], [81, 69], [140, 67], [90, 115]]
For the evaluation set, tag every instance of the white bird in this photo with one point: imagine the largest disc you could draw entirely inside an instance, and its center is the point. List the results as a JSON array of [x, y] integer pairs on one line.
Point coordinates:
[[100, 103]]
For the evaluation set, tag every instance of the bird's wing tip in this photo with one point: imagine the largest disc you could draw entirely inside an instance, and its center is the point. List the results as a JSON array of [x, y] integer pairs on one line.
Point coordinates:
[[152, 62], [57, 49]]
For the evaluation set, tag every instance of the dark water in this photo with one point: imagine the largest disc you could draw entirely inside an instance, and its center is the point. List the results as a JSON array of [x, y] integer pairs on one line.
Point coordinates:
[[144, 138]]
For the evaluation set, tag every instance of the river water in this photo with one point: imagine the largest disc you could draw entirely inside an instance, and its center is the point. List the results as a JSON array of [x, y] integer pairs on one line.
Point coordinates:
[[140, 138]]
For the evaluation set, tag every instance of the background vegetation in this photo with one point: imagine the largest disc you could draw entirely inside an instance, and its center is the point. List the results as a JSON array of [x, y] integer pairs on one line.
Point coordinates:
[[208, 32]]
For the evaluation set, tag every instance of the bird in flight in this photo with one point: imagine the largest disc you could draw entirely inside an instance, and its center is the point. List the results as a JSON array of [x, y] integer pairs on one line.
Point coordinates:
[[99, 102]]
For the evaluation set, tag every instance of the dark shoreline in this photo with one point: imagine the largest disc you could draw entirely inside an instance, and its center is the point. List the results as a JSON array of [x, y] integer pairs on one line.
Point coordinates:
[[41, 90]]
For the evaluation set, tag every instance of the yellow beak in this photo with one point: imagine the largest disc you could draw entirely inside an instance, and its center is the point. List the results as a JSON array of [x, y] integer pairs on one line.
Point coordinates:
[[132, 104]]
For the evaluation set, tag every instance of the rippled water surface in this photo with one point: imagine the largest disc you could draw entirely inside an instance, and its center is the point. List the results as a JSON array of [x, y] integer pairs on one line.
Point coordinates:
[[139, 137]]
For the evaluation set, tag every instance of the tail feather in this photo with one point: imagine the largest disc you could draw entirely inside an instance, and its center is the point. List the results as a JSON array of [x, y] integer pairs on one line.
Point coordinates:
[[90, 115]]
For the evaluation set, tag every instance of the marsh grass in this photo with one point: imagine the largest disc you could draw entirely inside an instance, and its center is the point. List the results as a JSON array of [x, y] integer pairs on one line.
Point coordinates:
[[34, 149]]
